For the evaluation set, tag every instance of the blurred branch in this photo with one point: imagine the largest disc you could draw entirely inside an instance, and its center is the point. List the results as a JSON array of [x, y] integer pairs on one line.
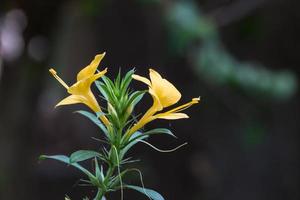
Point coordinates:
[[231, 13], [191, 33], [1, 65]]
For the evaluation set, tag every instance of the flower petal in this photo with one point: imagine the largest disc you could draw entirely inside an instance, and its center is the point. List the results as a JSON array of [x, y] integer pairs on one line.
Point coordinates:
[[142, 79], [185, 106], [98, 75], [80, 87], [166, 91], [157, 106], [171, 116], [91, 68], [72, 99], [90, 101], [174, 111]]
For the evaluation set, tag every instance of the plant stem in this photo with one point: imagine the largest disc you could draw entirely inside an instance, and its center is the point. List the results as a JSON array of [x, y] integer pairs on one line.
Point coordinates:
[[99, 195]]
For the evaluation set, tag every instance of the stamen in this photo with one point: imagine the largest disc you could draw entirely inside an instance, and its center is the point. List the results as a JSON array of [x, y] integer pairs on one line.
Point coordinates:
[[53, 72], [184, 106]]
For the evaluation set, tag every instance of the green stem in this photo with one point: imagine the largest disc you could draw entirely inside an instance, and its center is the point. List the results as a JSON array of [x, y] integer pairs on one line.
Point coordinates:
[[109, 173], [99, 195]]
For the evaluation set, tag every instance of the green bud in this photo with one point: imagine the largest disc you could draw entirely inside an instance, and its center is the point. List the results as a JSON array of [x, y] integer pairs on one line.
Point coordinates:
[[113, 157]]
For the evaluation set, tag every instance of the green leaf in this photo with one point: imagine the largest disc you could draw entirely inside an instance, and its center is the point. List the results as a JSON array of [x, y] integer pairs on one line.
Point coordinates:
[[113, 115], [159, 131], [61, 158], [114, 157], [148, 192], [140, 136], [103, 89], [126, 80], [115, 181], [118, 79], [82, 155], [109, 84], [94, 119], [111, 90], [131, 143], [66, 159], [98, 171], [135, 97]]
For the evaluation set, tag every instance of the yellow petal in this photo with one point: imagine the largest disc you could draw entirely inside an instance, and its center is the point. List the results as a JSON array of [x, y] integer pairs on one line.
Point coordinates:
[[157, 106], [176, 110], [141, 123], [98, 75], [172, 116], [72, 99], [90, 101], [142, 79], [148, 116], [83, 86], [185, 106], [166, 91], [80, 87], [154, 75], [91, 68]]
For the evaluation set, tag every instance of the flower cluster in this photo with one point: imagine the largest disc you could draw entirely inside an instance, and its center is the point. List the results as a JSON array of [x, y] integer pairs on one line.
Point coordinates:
[[120, 128]]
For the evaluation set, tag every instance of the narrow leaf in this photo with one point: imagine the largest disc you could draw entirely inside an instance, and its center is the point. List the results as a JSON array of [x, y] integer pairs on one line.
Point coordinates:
[[82, 155], [135, 138], [148, 192], [131, 143], [136, 97], [65, 159], [159, 131], [127, 79], [61, 158], [103, 89], [94, 119]]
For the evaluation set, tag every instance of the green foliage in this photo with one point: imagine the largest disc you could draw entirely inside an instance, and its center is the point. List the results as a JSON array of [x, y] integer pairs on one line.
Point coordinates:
[[120, 100]]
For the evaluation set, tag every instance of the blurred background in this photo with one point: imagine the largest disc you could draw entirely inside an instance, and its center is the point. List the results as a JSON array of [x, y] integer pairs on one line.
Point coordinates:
[[240, 56]]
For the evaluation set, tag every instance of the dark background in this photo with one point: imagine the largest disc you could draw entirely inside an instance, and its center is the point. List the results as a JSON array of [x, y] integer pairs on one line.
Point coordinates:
[[240, 56]]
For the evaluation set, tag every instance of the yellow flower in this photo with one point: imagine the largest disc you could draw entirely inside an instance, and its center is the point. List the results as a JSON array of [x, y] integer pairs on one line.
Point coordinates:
[[81, 90], [164, 94]]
